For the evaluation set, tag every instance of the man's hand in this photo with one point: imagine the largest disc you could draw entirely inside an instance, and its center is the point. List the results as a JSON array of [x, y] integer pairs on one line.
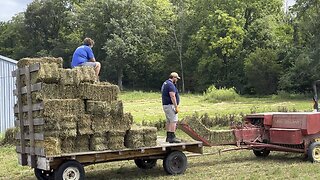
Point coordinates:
[[177, 110]]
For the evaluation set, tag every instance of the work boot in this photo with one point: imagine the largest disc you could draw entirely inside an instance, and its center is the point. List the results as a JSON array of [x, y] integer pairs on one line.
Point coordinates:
[[174, 139], [168, 136], [171, 138]]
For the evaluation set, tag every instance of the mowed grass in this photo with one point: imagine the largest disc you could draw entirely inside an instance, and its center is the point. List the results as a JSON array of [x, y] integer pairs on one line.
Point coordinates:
[[147, 106], [229, 165]]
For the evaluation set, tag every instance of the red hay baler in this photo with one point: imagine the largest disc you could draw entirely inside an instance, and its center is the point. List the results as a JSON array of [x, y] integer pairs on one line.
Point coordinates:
[[265, 132]]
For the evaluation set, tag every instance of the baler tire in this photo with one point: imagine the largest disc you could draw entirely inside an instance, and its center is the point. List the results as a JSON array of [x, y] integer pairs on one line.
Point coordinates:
[[42, 174], [145, 163], [70, 168], [261, 153], [314, 152], [175, 163]]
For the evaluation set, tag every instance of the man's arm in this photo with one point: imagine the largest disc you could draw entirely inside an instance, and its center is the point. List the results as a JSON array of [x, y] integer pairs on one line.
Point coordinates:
[[92, 59], [174, 100]]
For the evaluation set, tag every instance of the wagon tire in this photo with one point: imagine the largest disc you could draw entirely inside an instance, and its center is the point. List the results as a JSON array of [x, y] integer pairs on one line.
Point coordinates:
[[261, 153], [314, 152], [175, 163], [42, 174], [145, 163], [70, 170]]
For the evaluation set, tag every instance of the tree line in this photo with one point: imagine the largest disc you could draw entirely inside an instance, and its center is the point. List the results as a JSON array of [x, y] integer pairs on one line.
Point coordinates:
[[251, 45]]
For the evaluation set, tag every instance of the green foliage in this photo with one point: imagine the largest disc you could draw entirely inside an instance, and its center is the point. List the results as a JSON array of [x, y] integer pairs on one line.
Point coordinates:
[[262, 71], [213, 94]]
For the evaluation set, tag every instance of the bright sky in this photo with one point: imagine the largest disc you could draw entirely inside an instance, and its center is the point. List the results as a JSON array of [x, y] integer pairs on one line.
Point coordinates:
[[9, 8]]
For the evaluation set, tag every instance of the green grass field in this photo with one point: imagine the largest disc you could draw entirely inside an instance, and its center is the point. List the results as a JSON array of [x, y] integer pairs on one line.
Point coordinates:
[[229, 165]]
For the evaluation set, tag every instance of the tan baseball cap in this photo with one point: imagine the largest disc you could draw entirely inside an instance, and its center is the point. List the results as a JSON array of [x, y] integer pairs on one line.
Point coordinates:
[[174, 74]]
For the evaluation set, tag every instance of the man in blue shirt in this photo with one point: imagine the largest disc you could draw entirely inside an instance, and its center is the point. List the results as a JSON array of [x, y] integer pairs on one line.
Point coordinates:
[[83, 56], [170, 102]]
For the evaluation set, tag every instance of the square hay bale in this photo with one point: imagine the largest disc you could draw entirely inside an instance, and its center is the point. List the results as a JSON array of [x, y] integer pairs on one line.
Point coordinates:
[[215, 137], [68, 125], [61, 107], [48, 60], [68, 145], [99, 92], [82, 74], [115, 139], [52, 91], [82, 143], [48, 73], [66, 76], [197, 126], [98, 108], [84, 124], [122, 123], [47, 133], [98, 142], [101, 124], [117, 109], [51, 145], [141, 136], [222, 137]]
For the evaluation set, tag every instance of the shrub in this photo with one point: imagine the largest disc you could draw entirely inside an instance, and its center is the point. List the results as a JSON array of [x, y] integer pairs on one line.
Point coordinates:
[[213, 94]]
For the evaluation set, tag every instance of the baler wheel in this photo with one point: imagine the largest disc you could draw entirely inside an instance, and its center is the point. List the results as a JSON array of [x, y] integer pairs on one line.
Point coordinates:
[[261, 153], [314, 152]]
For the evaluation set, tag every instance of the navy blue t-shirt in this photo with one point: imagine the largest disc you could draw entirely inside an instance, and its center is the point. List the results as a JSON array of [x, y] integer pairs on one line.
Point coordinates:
[[167, 87]]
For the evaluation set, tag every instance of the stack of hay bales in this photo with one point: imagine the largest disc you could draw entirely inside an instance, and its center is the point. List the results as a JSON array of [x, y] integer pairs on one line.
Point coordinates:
[[141, 137], [214, 137], [79, 114]]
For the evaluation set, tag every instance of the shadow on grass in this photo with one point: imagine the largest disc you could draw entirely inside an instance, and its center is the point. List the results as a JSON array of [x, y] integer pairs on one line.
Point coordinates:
[[126, 173], [281, 158]]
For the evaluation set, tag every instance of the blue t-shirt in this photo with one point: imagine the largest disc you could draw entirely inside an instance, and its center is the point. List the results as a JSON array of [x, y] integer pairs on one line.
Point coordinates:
[[167, 87], [82, 54]]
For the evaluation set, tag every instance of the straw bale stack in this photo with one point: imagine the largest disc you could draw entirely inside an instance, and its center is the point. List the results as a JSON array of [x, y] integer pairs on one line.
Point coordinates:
[[215, 137], [141, 136], [79, 114]]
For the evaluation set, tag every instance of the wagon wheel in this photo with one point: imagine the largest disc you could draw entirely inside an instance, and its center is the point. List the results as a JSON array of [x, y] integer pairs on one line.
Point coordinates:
[[314, 152], [70, 170], [175, 163], [261, 152], [145, 163], [42, 174]]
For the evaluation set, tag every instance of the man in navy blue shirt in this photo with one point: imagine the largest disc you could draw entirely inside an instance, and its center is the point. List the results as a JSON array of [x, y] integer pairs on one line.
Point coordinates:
[[83, 56], [170, 102]]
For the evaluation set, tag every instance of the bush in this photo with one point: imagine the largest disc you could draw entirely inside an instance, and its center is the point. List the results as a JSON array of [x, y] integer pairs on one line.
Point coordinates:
[[213, 94], [285, 95], [9, 137]]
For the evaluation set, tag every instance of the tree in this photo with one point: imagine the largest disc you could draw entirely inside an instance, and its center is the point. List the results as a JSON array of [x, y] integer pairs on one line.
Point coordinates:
[[262, 70]]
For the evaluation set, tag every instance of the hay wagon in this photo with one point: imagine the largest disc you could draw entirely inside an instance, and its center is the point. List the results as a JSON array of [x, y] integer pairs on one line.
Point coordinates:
[[40, 114], [71, 166]]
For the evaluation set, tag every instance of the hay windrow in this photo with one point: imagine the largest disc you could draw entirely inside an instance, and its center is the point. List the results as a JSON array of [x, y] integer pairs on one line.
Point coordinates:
[[48, 60], [215, 137]]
